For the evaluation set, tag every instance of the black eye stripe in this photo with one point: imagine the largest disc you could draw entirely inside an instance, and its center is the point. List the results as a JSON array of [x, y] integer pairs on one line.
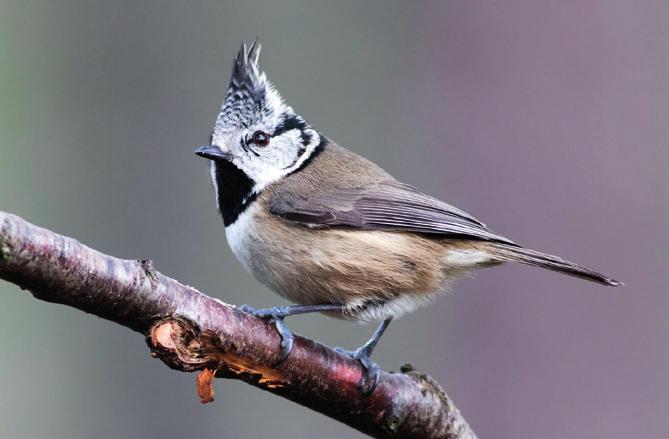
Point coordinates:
[[288, 123], [294, 122], [306, 138]]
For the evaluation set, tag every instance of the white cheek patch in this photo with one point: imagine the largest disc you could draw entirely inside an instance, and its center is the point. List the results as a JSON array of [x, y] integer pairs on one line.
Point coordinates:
[[279, 154], [281, 160]]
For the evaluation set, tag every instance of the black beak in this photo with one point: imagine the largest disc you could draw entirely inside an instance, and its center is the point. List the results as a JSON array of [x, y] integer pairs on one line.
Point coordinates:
[[212, 152]]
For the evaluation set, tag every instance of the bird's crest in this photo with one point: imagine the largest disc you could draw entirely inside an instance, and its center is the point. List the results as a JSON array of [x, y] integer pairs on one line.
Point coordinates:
[[245, 69], [250, 95]]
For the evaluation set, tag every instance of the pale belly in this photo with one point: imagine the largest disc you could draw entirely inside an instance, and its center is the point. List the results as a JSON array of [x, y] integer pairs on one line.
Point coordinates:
[[375, 274]]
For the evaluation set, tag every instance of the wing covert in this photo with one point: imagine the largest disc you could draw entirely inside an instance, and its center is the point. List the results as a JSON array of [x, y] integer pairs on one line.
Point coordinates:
[[387, 205]]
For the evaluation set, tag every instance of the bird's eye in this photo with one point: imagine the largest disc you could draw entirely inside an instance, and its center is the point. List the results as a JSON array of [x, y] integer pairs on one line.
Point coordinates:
[[260, 138]]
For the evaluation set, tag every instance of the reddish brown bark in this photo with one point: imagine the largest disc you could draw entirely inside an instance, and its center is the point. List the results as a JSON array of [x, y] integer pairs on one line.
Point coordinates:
[[190, 331]]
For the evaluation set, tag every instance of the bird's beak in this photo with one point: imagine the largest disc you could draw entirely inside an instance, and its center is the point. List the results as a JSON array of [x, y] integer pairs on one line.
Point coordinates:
[[213, 152]]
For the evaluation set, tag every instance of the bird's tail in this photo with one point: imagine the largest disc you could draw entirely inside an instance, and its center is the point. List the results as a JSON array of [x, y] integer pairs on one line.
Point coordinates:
[[506, 252]]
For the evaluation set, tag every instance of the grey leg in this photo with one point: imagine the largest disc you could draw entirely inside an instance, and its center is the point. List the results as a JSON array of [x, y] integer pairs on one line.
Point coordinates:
[[364, 353], [277, 315]]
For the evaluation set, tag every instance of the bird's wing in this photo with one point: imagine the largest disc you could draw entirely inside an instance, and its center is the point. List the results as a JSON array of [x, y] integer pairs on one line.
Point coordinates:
[[387, 205]]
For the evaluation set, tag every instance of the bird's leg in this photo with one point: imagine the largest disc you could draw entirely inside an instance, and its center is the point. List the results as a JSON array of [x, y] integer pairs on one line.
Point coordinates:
[[364, 355], [277, 314]]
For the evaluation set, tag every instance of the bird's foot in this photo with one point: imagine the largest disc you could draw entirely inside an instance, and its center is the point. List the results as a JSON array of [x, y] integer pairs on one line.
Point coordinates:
[[276, 315], [371, 370]]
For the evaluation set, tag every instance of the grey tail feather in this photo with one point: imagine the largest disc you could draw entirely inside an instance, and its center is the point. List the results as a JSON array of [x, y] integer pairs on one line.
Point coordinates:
[[506, 252]]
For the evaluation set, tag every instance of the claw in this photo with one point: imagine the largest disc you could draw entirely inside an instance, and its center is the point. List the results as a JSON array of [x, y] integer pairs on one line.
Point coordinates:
[[286, 338], [248, 309], [275, 315], [370, 376]]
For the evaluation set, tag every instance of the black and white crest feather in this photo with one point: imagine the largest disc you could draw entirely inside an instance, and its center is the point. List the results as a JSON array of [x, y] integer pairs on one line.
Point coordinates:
[[249, 94]]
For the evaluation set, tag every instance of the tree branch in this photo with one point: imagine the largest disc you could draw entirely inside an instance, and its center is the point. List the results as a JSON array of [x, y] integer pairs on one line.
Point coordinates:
[[190, 331]]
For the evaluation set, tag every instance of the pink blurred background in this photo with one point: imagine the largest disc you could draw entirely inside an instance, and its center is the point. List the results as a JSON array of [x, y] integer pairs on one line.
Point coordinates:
[[547, 120]]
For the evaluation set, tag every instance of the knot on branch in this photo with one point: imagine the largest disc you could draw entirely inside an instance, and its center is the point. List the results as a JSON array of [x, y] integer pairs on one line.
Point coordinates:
[[149, 271], [426, 382], [454, 426], [5, 250]]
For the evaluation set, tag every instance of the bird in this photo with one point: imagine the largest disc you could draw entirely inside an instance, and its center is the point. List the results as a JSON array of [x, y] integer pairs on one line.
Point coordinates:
[[331, 231]]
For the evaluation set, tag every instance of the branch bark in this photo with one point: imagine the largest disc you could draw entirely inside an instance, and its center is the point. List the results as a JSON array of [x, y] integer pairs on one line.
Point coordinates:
[[190, 331]]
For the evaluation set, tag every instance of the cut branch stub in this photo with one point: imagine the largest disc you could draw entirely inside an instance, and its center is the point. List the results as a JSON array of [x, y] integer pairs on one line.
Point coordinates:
[[181, 345]]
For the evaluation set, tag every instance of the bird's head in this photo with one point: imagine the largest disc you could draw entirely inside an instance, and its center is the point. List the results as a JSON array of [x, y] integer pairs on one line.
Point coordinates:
[[256, 130]]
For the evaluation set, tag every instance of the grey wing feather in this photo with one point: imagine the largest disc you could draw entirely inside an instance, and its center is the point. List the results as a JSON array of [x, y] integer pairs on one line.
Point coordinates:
[[388, 205]]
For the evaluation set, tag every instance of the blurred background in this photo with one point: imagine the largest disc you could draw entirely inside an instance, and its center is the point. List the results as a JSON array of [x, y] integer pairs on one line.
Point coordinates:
[[547, 120]]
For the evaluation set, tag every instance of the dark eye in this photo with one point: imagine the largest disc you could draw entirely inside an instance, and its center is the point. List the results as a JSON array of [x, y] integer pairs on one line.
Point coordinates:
[[260, 138]]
